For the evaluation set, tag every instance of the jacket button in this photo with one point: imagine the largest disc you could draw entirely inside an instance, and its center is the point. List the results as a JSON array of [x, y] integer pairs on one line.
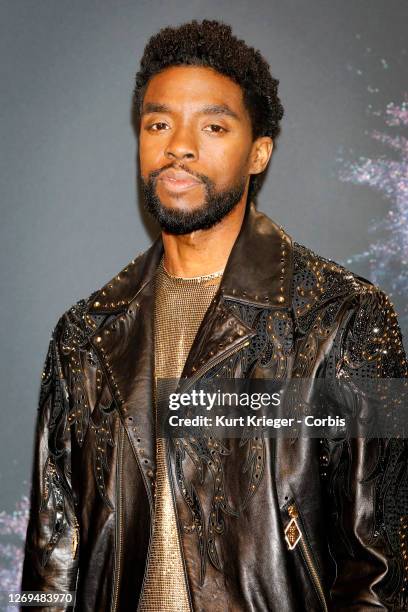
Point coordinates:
[[324, 459]]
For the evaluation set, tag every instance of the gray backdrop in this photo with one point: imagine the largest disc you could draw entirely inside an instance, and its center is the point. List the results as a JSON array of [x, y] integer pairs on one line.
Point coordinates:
[[70, 216]]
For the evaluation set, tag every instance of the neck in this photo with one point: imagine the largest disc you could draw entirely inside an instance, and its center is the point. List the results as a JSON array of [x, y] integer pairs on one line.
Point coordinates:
[[204, 251]]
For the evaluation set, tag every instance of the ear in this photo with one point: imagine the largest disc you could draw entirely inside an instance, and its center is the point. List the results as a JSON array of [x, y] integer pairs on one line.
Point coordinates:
[[260, 154]]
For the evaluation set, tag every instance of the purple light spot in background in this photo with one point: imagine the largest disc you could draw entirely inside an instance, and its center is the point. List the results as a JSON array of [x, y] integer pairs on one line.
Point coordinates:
[[387, 255], [12, 536]]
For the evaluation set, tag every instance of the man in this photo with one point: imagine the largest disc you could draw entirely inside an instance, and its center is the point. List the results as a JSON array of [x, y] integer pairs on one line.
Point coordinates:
[[129, 520]]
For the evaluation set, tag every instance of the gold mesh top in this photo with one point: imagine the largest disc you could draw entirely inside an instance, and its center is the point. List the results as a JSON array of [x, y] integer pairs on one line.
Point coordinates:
[[180, 305]]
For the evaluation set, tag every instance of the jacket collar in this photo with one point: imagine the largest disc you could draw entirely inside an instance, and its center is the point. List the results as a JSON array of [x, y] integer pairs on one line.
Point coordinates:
[[259, 269]]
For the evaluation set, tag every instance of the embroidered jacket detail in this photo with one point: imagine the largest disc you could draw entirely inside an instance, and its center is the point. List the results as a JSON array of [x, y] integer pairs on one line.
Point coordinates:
[[368, 346], [273, 339], [88, 416], [63, 385], [56, 494]]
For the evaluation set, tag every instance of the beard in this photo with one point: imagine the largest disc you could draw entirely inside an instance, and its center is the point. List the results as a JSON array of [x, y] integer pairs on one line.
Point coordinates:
[[216, 204]]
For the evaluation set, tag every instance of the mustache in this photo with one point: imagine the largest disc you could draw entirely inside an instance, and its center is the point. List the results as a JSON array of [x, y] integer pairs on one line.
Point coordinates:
[[201, 177]]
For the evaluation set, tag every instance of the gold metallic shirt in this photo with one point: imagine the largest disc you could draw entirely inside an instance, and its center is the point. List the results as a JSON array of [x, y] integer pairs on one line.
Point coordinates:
[[180, 305]]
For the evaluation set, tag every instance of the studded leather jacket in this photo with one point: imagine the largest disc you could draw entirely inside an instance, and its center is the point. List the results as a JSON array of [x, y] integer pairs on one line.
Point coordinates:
[[281, 311]]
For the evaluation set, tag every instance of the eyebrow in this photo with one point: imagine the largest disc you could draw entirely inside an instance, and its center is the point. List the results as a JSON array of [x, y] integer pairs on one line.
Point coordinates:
[[210, 109]]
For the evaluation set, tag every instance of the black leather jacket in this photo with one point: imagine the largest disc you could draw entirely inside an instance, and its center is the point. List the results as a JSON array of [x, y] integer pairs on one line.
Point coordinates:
[[281, 311]]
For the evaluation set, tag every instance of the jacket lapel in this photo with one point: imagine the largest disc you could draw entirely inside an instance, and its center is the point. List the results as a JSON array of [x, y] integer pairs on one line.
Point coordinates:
[[259, 271], [125, 347]]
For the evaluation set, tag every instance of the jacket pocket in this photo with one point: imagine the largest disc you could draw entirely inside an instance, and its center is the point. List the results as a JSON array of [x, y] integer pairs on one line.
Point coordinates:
[[296, 541]]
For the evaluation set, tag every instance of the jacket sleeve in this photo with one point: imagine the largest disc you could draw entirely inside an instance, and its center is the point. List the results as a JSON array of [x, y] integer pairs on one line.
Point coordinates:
[[51, 547], [366, 479]]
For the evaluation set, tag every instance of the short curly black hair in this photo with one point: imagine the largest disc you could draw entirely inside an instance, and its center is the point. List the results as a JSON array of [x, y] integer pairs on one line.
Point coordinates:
[[211, 43]]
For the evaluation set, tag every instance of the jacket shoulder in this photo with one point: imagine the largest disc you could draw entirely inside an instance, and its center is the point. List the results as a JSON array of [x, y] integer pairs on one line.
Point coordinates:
[[81, 319], [321, 286], [370, 333], [75, 325], [328, 277]]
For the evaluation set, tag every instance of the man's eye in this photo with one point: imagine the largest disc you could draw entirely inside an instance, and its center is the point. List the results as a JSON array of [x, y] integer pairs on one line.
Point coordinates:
[[158, 126], [213, 127]]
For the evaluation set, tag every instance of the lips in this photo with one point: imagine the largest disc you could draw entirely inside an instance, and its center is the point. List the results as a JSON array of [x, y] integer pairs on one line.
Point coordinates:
[[178, 180]]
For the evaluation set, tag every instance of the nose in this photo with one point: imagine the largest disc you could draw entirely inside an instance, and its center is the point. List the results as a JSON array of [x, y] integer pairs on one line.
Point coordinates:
[[181, 145]]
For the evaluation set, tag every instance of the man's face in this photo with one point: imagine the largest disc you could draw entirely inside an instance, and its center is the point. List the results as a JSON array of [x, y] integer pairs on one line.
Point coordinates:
[[195, 147]]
